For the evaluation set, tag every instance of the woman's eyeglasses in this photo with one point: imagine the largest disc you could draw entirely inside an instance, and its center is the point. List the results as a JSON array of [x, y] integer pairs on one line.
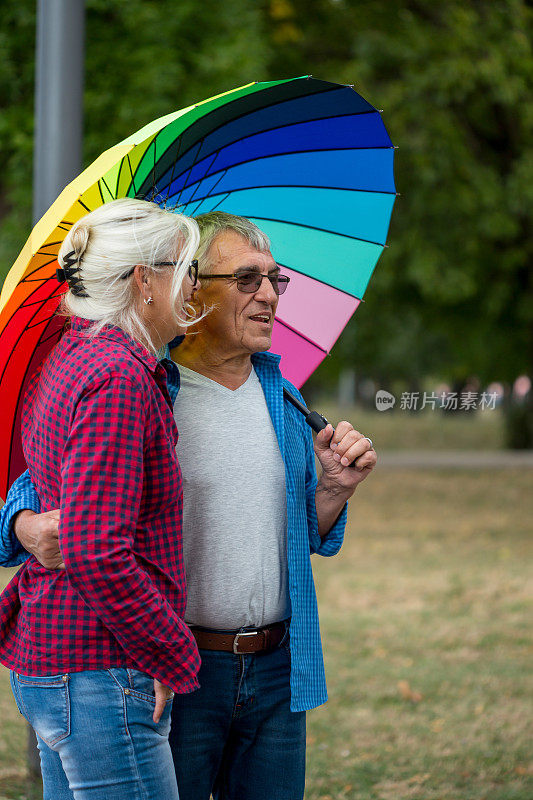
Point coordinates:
[[249, 282], [192, 271]]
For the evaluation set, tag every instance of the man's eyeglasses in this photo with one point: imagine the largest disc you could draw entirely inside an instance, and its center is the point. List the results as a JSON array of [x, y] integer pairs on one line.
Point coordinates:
[[192, 271], [249, 282]]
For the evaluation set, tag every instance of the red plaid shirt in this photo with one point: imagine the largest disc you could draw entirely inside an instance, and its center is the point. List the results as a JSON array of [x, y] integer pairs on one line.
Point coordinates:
[[99, 440]]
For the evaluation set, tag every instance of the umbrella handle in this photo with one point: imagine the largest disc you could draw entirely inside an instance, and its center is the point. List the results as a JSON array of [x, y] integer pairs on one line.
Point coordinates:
[[315, 420]]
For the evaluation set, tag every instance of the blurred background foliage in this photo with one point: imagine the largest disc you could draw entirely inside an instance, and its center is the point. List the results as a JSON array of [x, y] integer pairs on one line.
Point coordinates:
[[453, 295]]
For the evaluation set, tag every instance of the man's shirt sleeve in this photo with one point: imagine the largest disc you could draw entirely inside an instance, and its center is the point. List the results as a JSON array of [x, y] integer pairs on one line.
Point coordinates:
[[22, 495], [331, 543]]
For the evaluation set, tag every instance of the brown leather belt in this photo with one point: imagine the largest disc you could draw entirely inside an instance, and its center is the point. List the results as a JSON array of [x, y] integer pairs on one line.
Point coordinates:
[[241, 642]]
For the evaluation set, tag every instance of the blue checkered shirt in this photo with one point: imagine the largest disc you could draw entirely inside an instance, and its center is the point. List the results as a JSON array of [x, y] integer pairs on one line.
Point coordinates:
[[308, 684]]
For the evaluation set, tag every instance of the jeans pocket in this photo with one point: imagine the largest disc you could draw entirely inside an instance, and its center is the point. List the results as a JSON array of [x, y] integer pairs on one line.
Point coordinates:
[[141, 688], [141, 685], [45, 702]]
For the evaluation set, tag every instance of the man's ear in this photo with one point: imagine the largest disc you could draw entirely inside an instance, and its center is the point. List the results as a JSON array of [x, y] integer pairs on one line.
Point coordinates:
[[196, 303]]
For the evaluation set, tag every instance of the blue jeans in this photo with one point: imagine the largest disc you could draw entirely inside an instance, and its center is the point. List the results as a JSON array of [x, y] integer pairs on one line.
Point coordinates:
[[236, 736], [96, 736]]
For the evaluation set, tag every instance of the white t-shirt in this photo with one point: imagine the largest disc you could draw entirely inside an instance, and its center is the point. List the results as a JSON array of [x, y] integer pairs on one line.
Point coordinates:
[[234, 505]]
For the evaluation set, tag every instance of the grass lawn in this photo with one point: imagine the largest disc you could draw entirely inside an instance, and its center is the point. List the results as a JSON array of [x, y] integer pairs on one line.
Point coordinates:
[[426, 622], [422, 430]]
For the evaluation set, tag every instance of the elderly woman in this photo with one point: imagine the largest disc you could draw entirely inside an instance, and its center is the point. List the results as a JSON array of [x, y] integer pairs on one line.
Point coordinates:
[[97, 649]]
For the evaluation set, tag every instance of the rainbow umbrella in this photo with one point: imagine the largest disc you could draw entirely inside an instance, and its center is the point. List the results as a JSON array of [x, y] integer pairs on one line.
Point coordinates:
[[309, 161]]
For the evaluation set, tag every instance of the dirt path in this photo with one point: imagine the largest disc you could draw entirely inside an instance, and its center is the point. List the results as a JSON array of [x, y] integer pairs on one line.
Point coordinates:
[[455, 459]]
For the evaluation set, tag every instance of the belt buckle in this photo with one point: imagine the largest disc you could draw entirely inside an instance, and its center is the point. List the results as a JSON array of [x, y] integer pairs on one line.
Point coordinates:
[[236, 640]]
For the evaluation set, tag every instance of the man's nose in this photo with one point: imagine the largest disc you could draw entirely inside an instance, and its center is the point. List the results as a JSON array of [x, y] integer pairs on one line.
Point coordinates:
[[266, 292]]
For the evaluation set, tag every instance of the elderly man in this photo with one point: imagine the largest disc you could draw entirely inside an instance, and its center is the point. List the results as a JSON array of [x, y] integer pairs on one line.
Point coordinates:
[[254, 512]]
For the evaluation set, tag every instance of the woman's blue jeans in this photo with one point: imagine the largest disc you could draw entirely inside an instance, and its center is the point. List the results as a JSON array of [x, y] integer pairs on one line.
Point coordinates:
[[236, 736], [96, 736]]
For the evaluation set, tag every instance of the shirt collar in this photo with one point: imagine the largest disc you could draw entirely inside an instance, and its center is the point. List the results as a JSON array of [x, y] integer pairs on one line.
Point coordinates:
[[266, 360], [266, 366], [267, 369], [164, 352], [115, 334]]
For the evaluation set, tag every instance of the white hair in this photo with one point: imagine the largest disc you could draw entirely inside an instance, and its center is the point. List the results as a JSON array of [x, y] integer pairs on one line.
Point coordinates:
[[213, 223], [106, 245]]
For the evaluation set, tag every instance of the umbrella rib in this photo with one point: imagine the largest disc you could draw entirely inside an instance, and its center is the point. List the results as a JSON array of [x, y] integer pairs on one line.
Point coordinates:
[[107, 187], [315, 228], [318, 280], [36, 302], [119, 173], [206, 196], [283, 125], [219, 202], [48, 338], [286, 125], [200, 181], [190, 170], [190, 127], [80, 201], [21, 333], [50, 244], [173, 167], [41, 341], [42, 266], [40, 322], [131, 173], [100, 190], [138, 193], [53, 254], [154, 143], [262, 108], [290, 153], [302, 335], [293, 186]]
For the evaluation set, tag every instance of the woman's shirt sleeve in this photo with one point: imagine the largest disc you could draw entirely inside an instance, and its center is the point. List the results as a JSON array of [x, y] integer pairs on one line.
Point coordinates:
[[101, 489]]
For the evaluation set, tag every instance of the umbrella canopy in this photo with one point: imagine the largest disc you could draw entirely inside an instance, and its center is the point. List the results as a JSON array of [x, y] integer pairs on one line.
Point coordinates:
[[309, 161]]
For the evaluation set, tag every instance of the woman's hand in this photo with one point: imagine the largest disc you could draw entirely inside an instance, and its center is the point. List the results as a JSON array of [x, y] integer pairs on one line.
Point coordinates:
[[162, 694]]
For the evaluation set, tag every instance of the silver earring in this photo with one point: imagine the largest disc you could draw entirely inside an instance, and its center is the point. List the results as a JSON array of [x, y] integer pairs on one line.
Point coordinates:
[[148, 300]]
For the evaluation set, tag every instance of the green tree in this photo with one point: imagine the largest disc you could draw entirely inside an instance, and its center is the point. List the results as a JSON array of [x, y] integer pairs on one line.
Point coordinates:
[[453, 294], [144, 58]]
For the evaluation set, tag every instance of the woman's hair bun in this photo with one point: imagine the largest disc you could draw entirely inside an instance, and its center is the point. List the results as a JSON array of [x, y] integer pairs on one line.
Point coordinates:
[[77, 240]]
